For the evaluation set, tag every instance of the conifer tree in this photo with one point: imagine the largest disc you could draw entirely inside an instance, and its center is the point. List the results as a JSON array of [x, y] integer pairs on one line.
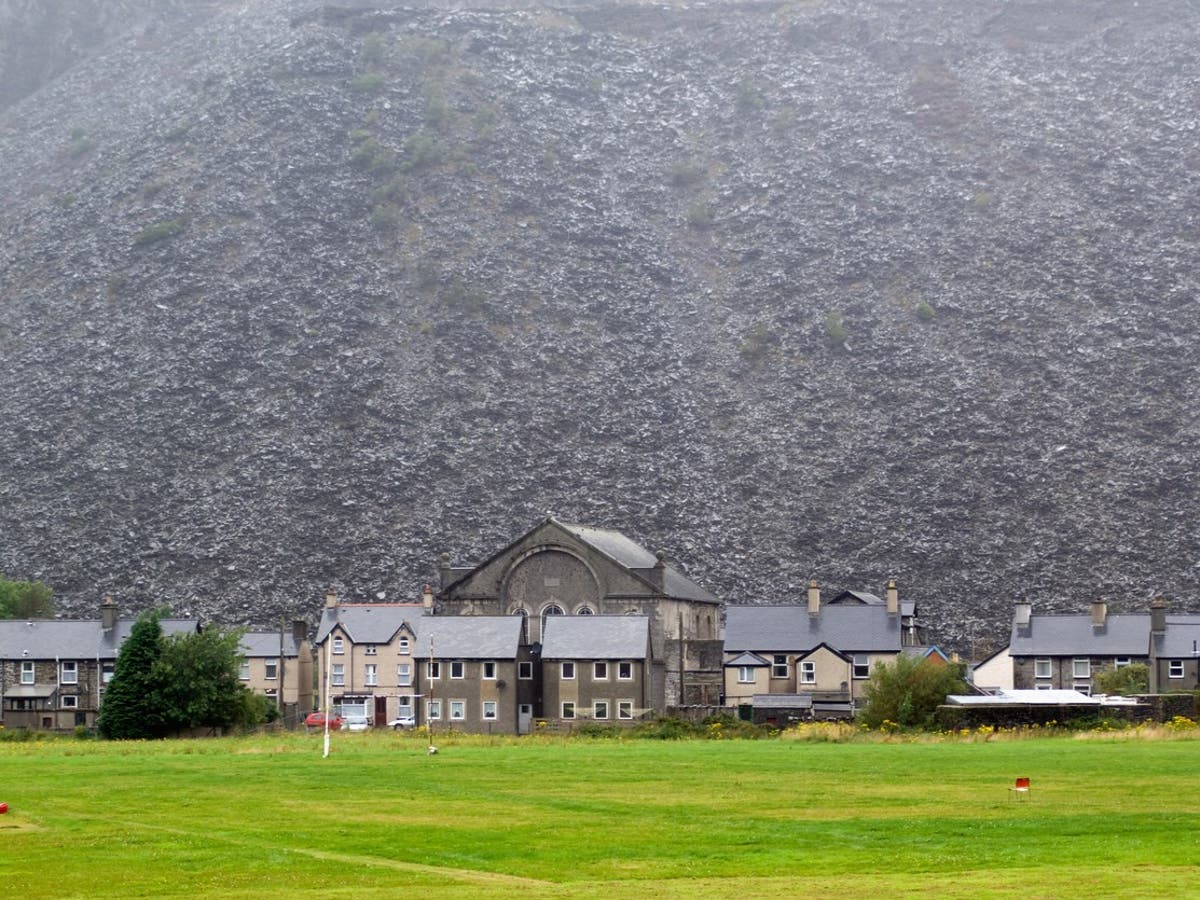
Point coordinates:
[[130, 710]]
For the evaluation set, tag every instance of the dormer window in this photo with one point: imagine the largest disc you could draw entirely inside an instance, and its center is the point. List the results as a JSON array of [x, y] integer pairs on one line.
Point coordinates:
[[403, 646], [339, 646]]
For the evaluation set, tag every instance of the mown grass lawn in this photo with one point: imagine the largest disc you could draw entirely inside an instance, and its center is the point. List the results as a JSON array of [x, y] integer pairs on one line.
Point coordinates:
[[268, 816]]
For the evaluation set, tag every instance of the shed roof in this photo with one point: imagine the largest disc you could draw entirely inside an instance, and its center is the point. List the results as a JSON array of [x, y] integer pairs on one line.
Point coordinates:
[[596, 637], [849, 628], [1074, 635]]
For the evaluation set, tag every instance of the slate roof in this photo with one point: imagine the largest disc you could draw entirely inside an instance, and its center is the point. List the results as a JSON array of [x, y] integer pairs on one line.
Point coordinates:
[[72, 638], [1074, 635], [266, 644], [1181, 640], [631, 555], [790, 629], [468, 637], [595, 637], [747, 659], [369, 623]]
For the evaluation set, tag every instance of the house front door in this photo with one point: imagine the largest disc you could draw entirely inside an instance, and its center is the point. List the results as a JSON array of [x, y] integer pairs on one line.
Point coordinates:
[[381, 716], [524, 718]]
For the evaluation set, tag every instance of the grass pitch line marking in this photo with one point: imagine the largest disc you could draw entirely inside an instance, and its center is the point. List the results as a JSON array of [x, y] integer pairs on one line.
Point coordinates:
[[476, 876]]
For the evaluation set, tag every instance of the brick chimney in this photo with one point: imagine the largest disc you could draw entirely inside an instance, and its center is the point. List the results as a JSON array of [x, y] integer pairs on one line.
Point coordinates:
[[331, 597], [1158, 615], [444, 568], [814, 598], [299, 631], [1099, 613], [108, 613], [893, 598], [427, 597]]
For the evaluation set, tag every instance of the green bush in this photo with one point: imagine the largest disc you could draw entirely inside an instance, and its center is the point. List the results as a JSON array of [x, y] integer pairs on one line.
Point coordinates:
[[1131, 679], [908, 691], [835, 329], [367, 83], [159, 232], [758, 343], [925, 312], [422, 151], [385, 217]]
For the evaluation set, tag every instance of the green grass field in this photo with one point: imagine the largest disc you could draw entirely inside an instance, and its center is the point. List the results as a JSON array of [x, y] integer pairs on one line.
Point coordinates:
[[268, 816]]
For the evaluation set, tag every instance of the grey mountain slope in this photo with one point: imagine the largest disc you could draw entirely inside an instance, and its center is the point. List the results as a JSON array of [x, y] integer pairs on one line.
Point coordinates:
[[284, 303]]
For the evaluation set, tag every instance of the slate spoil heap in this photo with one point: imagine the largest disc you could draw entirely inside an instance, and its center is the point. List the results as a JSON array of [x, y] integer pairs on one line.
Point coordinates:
[[293, 295]]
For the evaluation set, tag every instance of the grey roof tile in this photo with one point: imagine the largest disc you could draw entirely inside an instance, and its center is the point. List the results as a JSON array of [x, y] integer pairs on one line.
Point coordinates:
[[1074, 635], [596, 637], [790, 629]]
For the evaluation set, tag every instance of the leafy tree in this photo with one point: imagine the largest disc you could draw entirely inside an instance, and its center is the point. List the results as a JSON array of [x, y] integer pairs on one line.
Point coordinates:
[[25, 600], [1131, 679], [908, 691], [197, 683], [130, 707]]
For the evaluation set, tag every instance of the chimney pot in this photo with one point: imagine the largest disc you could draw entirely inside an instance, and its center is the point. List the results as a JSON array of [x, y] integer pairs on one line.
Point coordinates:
[[893, 598]]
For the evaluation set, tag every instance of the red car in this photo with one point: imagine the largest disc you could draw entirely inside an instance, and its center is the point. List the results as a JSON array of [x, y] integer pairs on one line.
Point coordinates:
[[316, 720]]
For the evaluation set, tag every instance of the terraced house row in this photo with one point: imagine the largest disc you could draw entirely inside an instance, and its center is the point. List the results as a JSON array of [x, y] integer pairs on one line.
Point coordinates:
[[571, 624]]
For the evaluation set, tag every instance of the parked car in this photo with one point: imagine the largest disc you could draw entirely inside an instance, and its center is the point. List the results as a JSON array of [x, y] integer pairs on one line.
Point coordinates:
[[315, 720], [403, 722], [357, 722]]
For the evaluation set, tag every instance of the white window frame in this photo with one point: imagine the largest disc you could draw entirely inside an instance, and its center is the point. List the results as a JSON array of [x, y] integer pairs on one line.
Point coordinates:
[[568, 709], [339, 646], [1120, 662], [624, 709], [68, 675], [434, 670], [70, 701], [1042, 667], [525, 670], [404, 706], [808, 672], [458, 710], [599, 671], [599, 709], [1081, 667], [489, 670], [490, 709], [371, 675], [402, 646], [244, 670], [371, 650], [27, 672], [746, 674], [1083, 687], [779, 666], [107, 671], [625, 670], [567, 671], [433, 710], [271, 669], [458, 669], [337, 675], [404, 675], [860, 666], [1175, 668], [1043, 687]]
